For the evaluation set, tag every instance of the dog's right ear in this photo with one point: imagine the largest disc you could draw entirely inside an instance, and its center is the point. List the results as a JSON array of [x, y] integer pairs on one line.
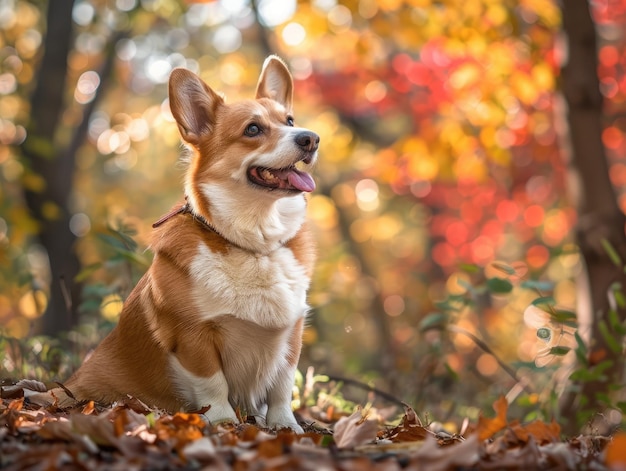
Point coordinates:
[[193, 104]]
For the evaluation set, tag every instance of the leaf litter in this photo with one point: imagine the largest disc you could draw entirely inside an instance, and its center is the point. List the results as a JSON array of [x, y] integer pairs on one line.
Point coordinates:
[[129, 435]]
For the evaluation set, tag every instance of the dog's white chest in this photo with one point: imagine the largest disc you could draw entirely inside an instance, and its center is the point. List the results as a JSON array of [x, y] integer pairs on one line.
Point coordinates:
[[269, 290]]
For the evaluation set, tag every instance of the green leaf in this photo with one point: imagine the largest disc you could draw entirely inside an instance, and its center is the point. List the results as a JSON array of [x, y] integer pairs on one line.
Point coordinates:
[[565, 317], [538, 285], [612, 253], [434, 320], [608, 337], [603, 397], [559, 351], [469, 268], [41, 146], [91, 305], [504, 268], [581, 349], [618, 293], [87, 272], [499, 285], [621, 405], [582, 375], [544, 300], [602, 366], [451, 372], [125, 236], [111, 241], [615, 322]]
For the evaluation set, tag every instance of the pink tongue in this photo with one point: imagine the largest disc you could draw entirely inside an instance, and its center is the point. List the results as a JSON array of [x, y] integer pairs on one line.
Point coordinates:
[[300, 180]]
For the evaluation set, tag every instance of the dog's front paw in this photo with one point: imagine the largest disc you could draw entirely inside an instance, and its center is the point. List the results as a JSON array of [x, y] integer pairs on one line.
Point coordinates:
[[219, 414], [283, 418]]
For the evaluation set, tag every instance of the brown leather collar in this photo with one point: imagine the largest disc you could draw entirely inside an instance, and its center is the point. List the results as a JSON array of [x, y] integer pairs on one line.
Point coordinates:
[[186, 208]]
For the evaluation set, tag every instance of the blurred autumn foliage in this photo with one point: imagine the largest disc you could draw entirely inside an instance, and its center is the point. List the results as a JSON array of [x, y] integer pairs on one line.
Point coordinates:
[[444, 166]]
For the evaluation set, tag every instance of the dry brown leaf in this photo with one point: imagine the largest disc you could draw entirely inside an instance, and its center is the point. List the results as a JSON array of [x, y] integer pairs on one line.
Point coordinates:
[[135, 405], [616, 453], [202, 449], [354, 430], [410, 428], [56, 429], [433, 457], [270, 448], [488, 427], [97, 428], [542, 433], [17, 390]]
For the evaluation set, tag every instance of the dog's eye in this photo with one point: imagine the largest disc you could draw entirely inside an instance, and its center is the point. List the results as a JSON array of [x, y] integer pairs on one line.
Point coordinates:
[[252, 130], [290, 121]]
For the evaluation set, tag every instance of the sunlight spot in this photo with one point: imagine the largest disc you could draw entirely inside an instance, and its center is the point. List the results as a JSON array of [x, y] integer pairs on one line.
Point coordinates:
[[275, 12], [367, 195], [394, 305], [80, 224], [293, 34], [158, 69], [83, 13], [487, 365], [86, 87], [341, 17], [227, 39], [375, 91], [8, 83]]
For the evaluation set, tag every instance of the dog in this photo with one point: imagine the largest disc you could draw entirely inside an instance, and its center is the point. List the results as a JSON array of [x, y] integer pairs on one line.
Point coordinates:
[[216, 322]]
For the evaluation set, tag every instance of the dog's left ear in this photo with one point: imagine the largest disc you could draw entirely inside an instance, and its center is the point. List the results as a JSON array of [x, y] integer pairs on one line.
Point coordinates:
[[275, 82]]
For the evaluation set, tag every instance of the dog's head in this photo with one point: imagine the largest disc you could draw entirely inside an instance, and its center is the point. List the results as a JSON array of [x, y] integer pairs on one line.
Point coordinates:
[[248, 156]]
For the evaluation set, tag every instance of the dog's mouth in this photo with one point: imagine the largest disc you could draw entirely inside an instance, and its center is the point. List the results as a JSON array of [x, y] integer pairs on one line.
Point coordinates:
[[289, 179]]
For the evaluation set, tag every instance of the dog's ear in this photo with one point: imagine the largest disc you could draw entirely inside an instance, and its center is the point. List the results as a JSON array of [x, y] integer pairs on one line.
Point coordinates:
[[193, 104], [275, 82]]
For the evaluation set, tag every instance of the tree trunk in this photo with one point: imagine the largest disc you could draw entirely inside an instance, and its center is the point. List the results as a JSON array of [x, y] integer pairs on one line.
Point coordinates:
[[599, 216], [48, 202]]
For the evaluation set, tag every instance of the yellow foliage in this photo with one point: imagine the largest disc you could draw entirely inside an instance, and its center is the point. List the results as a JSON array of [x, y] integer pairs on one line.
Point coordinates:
[[547, 11], [33, 304], [543, 76], [465, 76], [111, 307], [387, 227], [33, 182], [423, 167], [524, 88], [17, 327], [497, 14], [51, 211], [322, 211]]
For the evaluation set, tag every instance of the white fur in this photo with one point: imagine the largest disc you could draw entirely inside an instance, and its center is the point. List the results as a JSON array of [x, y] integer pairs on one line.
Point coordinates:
[[201, 392], [248, 220], [269, 290]]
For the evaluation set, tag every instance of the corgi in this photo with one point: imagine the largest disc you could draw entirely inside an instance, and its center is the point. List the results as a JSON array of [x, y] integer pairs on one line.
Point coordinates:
[[216, 322]]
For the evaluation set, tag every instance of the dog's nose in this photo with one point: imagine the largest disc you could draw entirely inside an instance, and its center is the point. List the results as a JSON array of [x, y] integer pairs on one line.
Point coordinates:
[[308, 140]]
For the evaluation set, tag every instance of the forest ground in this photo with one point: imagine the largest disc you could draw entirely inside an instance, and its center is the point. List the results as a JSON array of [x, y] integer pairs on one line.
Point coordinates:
[[130, 435]]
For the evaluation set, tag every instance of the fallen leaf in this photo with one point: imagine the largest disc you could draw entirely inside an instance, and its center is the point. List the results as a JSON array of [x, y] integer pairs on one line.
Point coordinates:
[[431, 456], [542, 433], [410, 428], [17, 390], [201, 449], [488, 427], [354, 430], [615, 454]]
